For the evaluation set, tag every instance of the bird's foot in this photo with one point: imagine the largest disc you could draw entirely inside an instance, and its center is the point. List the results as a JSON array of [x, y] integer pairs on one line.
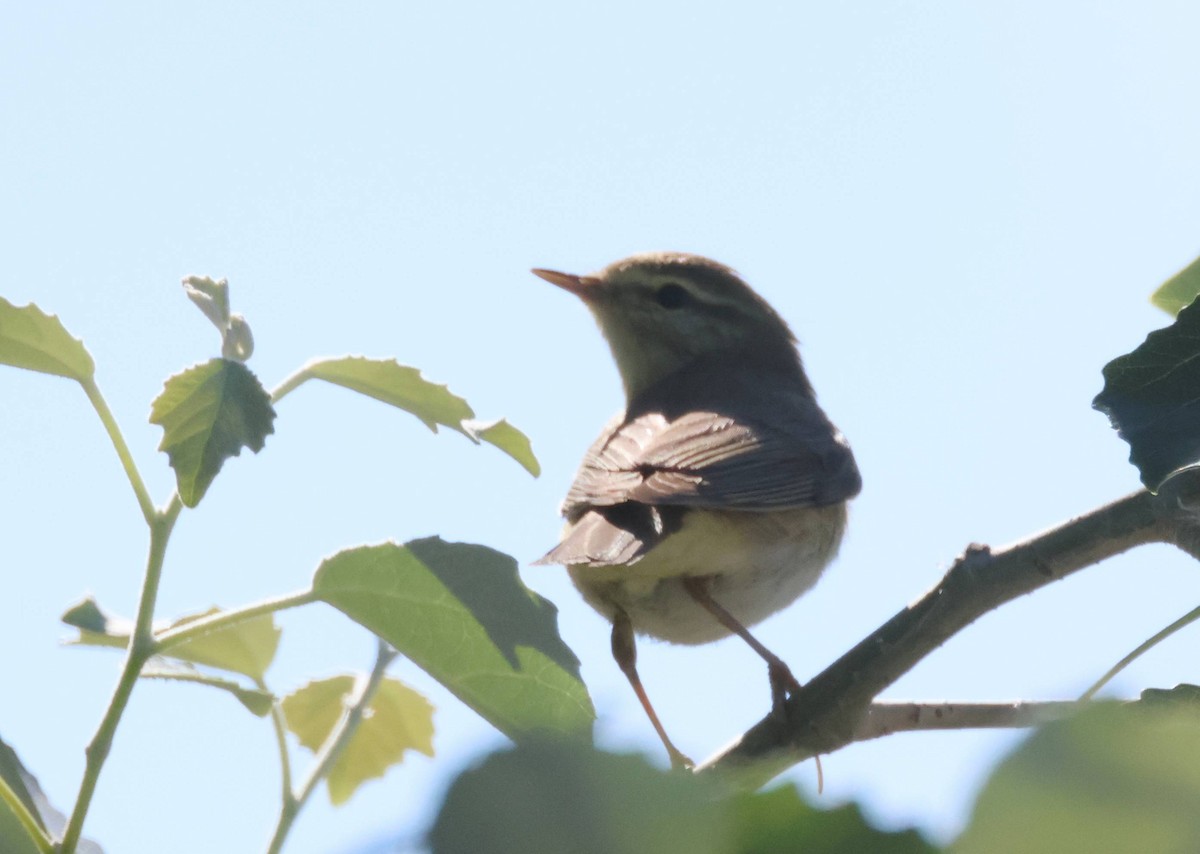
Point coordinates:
[[783, 685]]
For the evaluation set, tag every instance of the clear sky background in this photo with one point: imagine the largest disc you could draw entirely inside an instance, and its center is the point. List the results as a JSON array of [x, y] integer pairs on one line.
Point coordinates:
[[961, 209]]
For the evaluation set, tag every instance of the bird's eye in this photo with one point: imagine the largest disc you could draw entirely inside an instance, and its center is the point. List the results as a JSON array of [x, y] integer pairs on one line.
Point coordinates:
[[672, 296]]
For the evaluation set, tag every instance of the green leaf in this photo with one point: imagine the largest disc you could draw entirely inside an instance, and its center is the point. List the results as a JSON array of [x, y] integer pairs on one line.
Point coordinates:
[[247, 646], [390, 382], [780, 821], [544, 797], [14, 835], [1183, 698], [97, 627], [1179, 290], [1115, 778], [36, 341], [508, 439], [398, 720], [1152, 397], [209, 413], [257, 700], [461, 613], [403, 387]]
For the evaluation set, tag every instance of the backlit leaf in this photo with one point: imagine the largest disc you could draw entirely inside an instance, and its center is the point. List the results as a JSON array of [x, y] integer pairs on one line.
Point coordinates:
[[36, 341], [398, 719], [1179, 290], [401, 386], [508, 439]]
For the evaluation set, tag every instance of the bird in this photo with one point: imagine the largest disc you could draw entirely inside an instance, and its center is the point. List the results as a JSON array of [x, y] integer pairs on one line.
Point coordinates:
[[719, 495]]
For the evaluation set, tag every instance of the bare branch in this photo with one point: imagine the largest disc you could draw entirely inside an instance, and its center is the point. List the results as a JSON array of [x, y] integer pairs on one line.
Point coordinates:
[[829, 711], [889, 717]]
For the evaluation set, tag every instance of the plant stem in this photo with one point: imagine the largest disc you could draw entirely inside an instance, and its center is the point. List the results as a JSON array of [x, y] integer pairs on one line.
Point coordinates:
[[290, 384], [37, 834], [141, 647], [334, 744], [118, 440], [1186, 620], [223, 619], [280, 726]]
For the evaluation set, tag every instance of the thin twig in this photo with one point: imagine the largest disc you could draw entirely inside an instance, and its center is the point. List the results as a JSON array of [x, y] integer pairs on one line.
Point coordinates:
[[1186, 620]]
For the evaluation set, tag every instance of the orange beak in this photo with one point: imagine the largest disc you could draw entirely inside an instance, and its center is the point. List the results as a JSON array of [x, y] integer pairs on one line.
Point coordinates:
[[584, 287]]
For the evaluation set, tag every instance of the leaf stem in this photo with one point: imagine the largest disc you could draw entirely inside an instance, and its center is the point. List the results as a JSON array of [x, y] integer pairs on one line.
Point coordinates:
[[118, 440], [141, 647], [223, 619], [334, 744], [290, 384], [37, 834], [279, 725], [1187, 619]]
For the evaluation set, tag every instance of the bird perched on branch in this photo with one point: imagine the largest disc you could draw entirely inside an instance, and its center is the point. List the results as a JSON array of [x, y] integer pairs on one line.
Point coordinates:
[[719, 495]]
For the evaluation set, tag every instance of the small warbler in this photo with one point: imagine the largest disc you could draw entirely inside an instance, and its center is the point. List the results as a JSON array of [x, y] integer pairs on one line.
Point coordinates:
[[719, 495]]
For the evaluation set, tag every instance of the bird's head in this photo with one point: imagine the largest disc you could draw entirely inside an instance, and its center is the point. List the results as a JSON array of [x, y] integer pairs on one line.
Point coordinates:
[[662, 311]]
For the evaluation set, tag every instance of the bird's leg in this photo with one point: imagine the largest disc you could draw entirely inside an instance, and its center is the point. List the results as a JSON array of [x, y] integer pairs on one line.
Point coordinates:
[[782, 680], [624, 650]]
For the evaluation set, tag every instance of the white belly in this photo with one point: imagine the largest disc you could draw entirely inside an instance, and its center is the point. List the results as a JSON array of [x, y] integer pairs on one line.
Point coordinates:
[[758, 563]]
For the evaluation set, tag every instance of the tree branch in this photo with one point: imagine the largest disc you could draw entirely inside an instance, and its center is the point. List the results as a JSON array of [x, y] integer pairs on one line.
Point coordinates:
[[829, 712], [890, 717]]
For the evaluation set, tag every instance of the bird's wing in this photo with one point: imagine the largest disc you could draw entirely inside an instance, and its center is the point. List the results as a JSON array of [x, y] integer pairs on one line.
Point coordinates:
[[787, 457]]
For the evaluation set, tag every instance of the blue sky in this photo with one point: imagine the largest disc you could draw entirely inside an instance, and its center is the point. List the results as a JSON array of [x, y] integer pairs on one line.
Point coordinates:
[[960, 208]]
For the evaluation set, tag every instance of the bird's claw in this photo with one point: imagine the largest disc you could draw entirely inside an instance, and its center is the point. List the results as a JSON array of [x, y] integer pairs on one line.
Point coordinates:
[[783, 685]]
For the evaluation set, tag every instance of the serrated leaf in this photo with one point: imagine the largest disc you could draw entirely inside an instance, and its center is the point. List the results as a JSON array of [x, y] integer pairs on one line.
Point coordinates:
[[1114, 778], [508, 439], [398, 720], [461, 612], [256, 700], [36, 341], [1152, 397], [388, 381], [209, 413], [247, 646], [1179, 290]]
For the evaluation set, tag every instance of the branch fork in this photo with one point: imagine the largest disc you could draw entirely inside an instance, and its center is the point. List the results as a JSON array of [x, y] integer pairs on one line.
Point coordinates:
[[838, 706]]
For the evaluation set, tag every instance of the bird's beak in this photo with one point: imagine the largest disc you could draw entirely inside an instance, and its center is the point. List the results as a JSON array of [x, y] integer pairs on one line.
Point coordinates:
[[584, 287]]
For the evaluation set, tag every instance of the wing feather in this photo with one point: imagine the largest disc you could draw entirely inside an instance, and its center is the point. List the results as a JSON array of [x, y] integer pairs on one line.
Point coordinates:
[[712, 441], [707, 459]]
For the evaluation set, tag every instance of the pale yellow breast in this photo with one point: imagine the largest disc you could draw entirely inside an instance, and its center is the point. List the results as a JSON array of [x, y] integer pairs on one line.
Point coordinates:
[[758, 562]]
